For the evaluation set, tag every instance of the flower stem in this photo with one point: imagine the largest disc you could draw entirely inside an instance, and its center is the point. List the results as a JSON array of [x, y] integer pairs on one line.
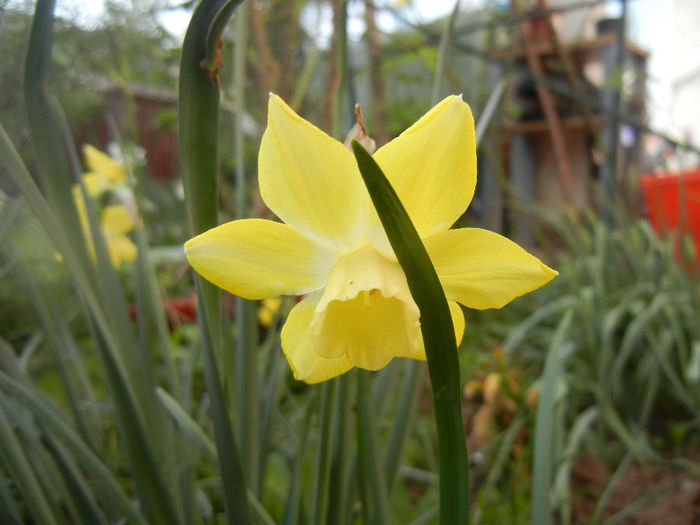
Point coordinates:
[[199, 118], [438, 337]]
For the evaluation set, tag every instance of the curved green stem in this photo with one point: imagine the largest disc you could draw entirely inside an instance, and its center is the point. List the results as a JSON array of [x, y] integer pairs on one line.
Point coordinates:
[[438, 337], [199, 118]]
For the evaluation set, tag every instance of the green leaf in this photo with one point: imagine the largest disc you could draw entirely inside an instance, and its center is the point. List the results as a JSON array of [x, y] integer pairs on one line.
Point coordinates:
[[198, 137], [152, 487], [53, 420], [370, 469], [43, 126], [85, 505], [13, 455], [188, 426], [438, 337], [544, 426], [323, 465]]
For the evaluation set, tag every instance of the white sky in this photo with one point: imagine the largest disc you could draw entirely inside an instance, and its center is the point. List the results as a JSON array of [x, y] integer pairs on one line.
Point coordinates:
[[651, 27]]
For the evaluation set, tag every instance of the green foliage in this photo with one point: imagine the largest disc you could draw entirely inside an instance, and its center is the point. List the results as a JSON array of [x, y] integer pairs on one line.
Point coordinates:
[[628, 380], [106, 410]]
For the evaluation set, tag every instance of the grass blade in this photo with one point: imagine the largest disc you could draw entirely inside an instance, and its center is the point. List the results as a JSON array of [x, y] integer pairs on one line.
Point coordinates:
[[52, 419], [247, 376], [368, 461], [189, 426], [85, 504], [44, 129], [320, 497], [405, 411], [443, 50], [13, 455], [544, 426], [199, 118]]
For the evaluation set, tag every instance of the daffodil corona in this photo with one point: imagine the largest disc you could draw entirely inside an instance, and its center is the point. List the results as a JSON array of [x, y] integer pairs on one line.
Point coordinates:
[[357, 309]]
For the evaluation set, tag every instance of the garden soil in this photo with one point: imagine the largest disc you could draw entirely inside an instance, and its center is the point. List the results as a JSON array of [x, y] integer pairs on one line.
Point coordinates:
[[677, 500]]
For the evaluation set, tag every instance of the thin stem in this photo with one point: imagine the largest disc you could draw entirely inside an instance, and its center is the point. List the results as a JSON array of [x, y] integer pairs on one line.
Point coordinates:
[[320, 501], [438, 337]]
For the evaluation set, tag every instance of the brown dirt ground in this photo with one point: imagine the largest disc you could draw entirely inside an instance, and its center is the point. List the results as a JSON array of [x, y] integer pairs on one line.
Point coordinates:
[[678, 501]]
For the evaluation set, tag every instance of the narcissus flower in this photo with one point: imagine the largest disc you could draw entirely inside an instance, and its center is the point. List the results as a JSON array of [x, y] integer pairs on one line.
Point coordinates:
[[267, 311], [357, 309], [106, 175], [115, 223], [104, 172]]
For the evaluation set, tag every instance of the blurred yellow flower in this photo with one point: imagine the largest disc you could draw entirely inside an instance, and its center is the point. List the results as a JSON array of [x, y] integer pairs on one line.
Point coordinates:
[[115, 223], [267, 311], [104, 172], [357, 309]]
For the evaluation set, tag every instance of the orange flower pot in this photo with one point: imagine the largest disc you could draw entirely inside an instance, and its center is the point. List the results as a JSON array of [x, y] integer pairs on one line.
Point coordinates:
[[673, 204]]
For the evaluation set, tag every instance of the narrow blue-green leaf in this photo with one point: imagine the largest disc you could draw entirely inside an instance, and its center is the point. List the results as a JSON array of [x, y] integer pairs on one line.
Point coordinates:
[[610, 488], [489, 111], [338, 490], [247, 375], [544, 427], [198, 139], [269, 402], [151, 485], [320, 491], [188, 426], [342, 63], [119, 348], [199, 114], [503, 453], [369, 464], [54, 325], [438, 337], [86, 507], [9, 511], [136, 359], [443, 50], [403, 419], [561, 491], [13, 455], [198, 438], [148, 476], [291, 509], [234, 486], [52, 418], [44, 129]]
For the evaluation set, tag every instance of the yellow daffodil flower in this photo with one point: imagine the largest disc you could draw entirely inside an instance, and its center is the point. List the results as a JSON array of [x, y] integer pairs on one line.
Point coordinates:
[[267, 311], [357, 309], [115, 223], [104, 172]]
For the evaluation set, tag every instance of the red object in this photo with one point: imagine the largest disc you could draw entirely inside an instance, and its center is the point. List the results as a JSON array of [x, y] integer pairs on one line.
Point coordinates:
[[177, 311], [673, 204]]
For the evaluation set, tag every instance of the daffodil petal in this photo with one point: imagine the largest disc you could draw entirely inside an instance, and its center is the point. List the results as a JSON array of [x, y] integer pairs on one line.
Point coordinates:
[[366, 312], [121, 249], [311, 181], [432, 165], [116, 219], [306, 364], [481, 269], [458, 324], [457, 320], [80, 205], [95, 183], [258, 259], [103, 165]]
